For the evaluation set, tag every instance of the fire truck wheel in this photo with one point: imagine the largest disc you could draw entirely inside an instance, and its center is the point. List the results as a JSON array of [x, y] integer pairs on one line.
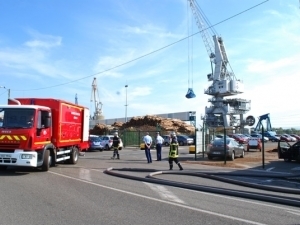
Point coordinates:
[[46, 161], [53, 158], [74, 156]]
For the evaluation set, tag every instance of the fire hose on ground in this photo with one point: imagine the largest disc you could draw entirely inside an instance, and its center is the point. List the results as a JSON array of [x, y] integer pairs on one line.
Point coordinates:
[[152, 178]]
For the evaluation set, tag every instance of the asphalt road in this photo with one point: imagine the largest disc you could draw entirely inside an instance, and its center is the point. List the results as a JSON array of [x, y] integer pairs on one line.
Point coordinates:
[[83, 194]]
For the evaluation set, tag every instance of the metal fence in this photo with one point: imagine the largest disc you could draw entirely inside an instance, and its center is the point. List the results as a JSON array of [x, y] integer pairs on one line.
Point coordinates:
[[134, 138]]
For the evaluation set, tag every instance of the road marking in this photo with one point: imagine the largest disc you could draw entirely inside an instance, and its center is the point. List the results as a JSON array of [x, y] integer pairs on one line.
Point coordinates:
[[270, 169], [246, 201], [255, 170], [84, 174], [162, 201], [164, 193], [298, 214]]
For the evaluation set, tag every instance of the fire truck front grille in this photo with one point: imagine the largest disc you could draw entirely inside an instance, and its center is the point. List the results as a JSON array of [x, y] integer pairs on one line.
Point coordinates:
[[8, 160]]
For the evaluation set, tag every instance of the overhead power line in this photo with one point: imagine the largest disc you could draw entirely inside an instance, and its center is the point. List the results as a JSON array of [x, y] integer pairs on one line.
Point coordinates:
[[143, 56]]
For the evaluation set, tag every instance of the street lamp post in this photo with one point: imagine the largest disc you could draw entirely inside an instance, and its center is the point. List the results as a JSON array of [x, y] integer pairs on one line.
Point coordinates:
[[8, 91], [203, 134], [192, 119], [126, 86]]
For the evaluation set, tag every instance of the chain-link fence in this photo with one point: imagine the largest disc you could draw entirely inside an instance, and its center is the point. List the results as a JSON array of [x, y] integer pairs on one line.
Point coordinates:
[[135, 138]]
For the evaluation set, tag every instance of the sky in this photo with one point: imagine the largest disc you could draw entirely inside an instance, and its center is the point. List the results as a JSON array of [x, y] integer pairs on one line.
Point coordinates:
[[54, 49]]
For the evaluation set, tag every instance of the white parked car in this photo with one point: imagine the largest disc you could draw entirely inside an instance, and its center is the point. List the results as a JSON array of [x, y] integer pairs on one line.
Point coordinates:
[[107, 141]]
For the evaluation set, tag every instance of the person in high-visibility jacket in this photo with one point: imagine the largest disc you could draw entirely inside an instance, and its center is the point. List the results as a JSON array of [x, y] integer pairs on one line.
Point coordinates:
[[116, 146], [173, 153]]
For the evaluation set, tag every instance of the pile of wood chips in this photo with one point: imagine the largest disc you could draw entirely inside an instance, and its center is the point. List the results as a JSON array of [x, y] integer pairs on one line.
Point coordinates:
[[147, 123]]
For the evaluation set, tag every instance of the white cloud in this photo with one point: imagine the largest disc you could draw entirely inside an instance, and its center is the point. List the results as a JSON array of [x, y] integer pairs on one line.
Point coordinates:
[[42, 40]]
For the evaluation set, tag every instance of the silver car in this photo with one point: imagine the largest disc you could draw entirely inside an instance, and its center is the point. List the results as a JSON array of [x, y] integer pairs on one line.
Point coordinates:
[[166, 140], [184, 140], [233, 149]]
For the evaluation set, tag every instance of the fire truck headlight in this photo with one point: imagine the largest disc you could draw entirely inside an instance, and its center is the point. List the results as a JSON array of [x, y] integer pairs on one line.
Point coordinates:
[[27, 156]]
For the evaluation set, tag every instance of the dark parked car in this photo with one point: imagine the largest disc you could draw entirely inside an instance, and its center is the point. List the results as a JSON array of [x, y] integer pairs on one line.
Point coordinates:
[[184, 140], [288, 152], [233, 149], [271, 137]]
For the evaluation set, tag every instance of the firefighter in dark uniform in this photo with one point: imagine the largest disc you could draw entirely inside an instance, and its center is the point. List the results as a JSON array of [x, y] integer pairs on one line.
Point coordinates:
[[173, 153], [116, 145]]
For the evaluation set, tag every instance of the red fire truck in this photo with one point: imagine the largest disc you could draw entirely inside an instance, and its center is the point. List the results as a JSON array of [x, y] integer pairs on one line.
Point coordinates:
[[39, 132]]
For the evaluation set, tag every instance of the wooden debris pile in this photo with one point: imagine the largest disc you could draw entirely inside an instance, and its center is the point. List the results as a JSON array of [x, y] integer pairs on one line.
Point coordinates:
[[147, 123]]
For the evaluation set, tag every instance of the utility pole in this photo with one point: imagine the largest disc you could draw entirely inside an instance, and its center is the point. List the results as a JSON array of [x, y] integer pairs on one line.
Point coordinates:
[[76, 99], [8, 91], [126, 86]]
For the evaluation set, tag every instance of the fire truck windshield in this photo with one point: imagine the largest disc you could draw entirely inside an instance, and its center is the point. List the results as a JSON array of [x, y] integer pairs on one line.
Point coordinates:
[[16, 118]]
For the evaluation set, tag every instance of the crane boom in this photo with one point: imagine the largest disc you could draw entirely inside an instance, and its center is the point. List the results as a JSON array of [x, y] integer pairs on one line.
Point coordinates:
[[95, 98], [200, 21], [223, 81]]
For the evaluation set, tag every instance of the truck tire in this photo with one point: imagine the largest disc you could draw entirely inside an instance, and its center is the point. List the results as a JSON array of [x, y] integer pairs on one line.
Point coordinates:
[[74, 156], [46, 160], [53, 158]]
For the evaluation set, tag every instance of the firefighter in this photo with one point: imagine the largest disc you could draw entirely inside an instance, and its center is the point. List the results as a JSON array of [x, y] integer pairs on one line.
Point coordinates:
[[173, 153], [116, 145]]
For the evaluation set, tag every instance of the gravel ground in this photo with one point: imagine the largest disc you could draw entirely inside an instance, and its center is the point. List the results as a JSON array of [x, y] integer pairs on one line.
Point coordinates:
[[251, 158]]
